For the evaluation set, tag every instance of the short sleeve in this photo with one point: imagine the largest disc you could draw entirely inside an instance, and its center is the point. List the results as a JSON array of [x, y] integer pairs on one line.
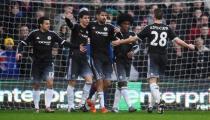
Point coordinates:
[[144, 33], [171, 34]]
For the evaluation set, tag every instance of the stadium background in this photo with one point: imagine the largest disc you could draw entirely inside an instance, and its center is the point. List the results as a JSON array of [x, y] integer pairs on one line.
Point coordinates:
[[186, 81]]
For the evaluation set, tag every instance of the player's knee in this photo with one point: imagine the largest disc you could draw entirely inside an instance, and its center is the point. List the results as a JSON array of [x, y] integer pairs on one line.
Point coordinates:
[[153, 80], [36, 86], [72, 83], [88, 80], [50, 84], [100, 88], [106, 84], [99, 85], [122, 84]]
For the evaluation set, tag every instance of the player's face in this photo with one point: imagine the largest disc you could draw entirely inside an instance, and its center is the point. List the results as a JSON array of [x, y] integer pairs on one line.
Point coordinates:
[[125, 25], [199, 43], [102, 17], [46, 25], [85, 20]]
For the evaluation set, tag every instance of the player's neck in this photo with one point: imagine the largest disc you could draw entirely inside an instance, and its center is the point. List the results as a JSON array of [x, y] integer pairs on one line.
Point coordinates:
[[42, 30], [82, 25], [100, 23], [123, 30], [158, 21]]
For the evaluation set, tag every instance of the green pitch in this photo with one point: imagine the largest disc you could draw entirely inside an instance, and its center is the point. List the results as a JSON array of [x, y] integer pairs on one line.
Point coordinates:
[[62, 115]]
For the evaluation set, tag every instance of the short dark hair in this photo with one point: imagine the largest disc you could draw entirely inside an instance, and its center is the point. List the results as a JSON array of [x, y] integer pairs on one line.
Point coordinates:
[[158, 14], [99, 10], [42, 19], [173, 20], [124, 17], [67, 5], [83, 13]]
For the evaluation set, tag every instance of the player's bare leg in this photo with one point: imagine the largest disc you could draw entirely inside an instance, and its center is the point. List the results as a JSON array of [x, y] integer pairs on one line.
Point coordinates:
[[106, 84], [49, 96], [70, 95], [36, 96]]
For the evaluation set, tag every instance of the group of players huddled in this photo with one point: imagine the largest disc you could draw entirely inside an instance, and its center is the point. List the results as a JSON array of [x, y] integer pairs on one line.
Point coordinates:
[[99, 65]]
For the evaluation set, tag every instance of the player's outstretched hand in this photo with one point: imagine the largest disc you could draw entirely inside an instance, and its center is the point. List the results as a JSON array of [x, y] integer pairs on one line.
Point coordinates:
[[82, 48], [18, 56], [116, 29], [133, 38], [130, 54], [69, 15], [116, 42], [191, 46]]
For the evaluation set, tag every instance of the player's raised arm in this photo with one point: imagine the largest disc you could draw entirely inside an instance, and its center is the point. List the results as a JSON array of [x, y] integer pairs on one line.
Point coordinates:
[[131, 39], [184, 44], [178, 41], [64, 43], [68, 18], [143, 34]]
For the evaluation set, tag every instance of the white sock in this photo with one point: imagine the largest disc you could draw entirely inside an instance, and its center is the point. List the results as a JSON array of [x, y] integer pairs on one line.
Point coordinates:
[[48, 97], [86, 90], [124, 93], [101, 98], [36, 98], [117, 97], [155, 92], [70, 96], [152, 103]]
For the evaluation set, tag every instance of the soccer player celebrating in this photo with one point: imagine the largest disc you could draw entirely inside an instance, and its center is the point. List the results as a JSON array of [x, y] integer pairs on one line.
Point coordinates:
[[123, 58], [78, 63], [101, 36], [42, 40], [158, 35]]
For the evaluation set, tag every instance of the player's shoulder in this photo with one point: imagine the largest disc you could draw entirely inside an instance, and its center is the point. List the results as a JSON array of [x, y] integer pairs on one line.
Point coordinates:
[[33, 32], [53, 33], [110, 25], [148, 26], [164, 25]]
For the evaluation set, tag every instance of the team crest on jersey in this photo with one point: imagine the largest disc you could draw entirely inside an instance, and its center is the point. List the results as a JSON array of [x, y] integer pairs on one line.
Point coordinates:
[[105, 28], [49, 37], [93, 27], [37, 38]]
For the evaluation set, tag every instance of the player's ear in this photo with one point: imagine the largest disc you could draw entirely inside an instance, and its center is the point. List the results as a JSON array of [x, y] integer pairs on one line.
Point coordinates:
[[97, 15]]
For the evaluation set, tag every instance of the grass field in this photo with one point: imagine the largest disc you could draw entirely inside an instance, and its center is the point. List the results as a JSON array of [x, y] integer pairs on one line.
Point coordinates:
[[62, 115]]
